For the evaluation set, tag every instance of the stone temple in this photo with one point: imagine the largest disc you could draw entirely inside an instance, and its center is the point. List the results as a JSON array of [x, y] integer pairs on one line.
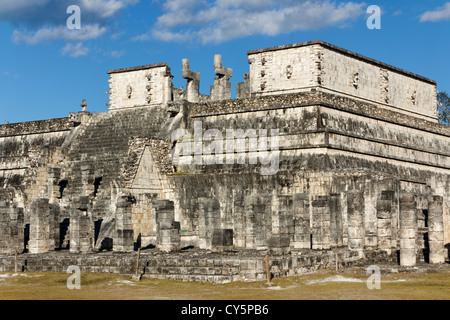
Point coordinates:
[[325, 157]]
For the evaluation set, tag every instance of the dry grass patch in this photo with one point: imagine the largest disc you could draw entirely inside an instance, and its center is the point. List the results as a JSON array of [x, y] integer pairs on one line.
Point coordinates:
[[323, 285]]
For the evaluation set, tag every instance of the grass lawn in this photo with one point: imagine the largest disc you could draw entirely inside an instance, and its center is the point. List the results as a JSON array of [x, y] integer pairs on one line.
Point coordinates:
[[350, 284]]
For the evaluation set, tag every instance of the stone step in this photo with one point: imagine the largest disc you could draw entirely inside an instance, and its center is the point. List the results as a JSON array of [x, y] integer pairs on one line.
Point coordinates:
[[197, 278], [191, 271]]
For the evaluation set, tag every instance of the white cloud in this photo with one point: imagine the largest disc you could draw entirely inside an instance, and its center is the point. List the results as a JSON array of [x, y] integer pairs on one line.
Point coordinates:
[[116, 54], [117, 35], [46, 20], [9, 74], [441, 13], [75, 50], [142, 37], [53, 11], [222, 20], [8, 7], [105, 9], [87, 32]]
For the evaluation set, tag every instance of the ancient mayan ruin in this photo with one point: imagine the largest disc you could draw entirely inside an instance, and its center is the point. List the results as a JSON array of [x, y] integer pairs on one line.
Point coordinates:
[[325, 157]]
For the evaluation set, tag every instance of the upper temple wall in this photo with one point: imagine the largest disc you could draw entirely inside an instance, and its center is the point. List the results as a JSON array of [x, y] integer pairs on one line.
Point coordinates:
[[316, 64], [140, 86]]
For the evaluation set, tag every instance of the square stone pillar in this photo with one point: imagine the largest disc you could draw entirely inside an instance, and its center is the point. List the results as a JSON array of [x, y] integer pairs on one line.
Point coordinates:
[[42, 224], [208, 221], [239, 222], [384, 220], [408, 229], [355, 212], [321, 223], [221, 90], [53, 175], [193, 82], [243, 88], [11, 228], [81, 227], [436, 229], [123, 237], [336, 225], [169, 238], [258, 221], [302, 228], [283, 218]]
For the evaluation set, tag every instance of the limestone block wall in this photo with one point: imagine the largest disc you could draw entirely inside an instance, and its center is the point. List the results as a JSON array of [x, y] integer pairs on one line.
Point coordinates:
[[140, 86], [359, 78], [378, 130], [283, 71], [302, 66], [304, 129], [327, 147], [26, 149]]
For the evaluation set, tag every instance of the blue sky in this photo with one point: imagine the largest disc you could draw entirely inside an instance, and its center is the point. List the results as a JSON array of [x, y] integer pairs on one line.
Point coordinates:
[[47, 69]]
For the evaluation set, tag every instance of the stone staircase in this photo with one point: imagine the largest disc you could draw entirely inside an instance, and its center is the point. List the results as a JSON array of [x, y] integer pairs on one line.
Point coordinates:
[[102, 145]]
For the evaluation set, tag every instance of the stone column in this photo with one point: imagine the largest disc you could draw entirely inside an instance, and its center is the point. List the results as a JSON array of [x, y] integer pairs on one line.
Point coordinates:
[[321, 223], [221, 90], [355, 211], [81, 226], [193, 82], [41, 227], [243, 88], [285, 217], [258, 221], [11, 229], [279, 242], [336, 234], [123, 239], [209, 220], [302, 229], [17, 229], [384, 220], [55, 211], [87, 179], [4, 228], [239, 221], [53, 175], [436, 229], [408, 229], [169, 238]]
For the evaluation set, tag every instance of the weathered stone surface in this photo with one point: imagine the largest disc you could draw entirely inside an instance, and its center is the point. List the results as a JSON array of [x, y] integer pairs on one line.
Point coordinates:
[[222, 238], [139, 86], [356, 169], [323, 65]]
